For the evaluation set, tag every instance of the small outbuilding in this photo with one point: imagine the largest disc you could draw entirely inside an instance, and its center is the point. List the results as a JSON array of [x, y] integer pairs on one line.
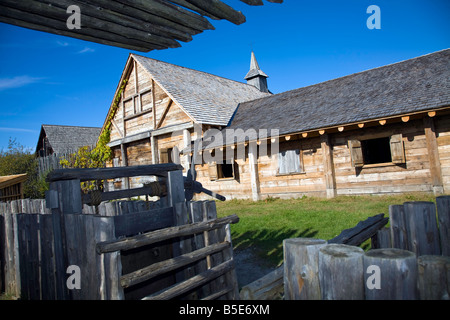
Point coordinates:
[[11, 187]]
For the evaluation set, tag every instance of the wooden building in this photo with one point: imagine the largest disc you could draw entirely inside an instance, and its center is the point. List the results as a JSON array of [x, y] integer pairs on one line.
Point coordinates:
[[11, 187], [57, 139], [385, 130]]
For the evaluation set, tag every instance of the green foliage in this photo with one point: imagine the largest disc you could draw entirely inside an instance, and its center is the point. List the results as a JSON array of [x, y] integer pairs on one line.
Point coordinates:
[[16, 159]]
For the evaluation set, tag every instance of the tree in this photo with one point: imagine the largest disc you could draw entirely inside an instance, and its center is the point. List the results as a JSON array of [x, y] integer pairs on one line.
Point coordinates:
[[16, 159], [86, 157]]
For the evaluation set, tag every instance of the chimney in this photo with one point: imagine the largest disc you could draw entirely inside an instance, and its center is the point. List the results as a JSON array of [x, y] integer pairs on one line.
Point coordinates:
[[255, 76]]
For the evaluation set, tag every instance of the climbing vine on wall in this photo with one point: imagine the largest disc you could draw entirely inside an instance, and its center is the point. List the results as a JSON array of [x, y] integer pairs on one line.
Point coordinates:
[[96, 157]]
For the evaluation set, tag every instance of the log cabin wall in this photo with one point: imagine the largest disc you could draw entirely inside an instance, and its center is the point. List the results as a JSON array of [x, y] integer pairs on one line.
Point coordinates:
[[412, 173]]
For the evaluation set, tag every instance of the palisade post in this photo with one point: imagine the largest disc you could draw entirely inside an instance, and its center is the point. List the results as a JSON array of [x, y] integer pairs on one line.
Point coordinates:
[[341, 272], [301, 272], [423, 234], [399, 233], [434, 277], [390, 274], [443, 209]]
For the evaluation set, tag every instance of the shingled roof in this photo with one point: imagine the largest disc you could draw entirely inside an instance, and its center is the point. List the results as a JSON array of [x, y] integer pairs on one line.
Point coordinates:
[[410, 86], [206, 98], [63, 139]]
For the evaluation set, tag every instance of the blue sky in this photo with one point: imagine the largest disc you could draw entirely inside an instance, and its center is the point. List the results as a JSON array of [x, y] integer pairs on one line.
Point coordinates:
[[50, 79]]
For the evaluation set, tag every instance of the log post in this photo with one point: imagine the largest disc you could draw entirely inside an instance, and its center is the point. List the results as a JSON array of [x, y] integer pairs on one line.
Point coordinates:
[[434, 277], [390, 274], [433, 156], [397, 220], [422, 228], [301, 273], [341, 272], [328, 165], [443, 208]]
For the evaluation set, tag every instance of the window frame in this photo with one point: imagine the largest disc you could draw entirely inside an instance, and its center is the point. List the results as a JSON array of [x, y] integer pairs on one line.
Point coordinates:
[[396, 145], [300, 164]]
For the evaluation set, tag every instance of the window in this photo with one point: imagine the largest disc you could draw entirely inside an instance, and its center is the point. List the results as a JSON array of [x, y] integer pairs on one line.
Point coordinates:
[[169, 155], [223, 170], [290, 161], [377, 151]]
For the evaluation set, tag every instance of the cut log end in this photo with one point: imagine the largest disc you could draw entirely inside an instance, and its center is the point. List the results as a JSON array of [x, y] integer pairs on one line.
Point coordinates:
[[390, 253]]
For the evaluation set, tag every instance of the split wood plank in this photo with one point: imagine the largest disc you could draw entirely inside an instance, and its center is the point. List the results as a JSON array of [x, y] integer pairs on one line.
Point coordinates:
[[112, 173], [164, 234], [362, 231], [165, 266], [193, 282]]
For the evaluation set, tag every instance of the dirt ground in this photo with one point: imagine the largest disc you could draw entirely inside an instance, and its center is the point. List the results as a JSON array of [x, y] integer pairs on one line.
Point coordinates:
[[249, 267]]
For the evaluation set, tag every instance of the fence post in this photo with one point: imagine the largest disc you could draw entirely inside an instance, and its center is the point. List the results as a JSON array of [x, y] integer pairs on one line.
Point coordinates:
[[63, 197], [390, 274], [434, 277], [423, 234], [443, 208], [341, 272], [301, 275], [397, 220]]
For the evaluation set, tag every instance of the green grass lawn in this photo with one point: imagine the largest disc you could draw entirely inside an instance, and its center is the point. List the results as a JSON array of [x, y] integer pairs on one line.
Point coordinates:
[[265, 224]]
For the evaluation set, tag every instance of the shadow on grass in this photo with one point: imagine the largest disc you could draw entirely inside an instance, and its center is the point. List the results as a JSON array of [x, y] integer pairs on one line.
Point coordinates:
[[267, 243]]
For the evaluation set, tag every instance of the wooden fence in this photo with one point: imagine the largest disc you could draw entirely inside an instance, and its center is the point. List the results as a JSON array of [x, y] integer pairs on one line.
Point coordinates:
[[414, 265], [126, 250], [417, 240]]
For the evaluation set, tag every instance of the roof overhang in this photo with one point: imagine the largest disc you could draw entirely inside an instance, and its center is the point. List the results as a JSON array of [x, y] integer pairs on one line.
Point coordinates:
[[135, 25]]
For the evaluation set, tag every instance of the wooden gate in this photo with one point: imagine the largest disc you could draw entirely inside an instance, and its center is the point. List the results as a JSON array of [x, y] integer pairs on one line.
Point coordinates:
[[175, 249]]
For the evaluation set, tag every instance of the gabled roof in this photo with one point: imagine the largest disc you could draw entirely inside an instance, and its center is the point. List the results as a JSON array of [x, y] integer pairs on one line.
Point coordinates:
[[63, 139], [410, 86], [206, 98]]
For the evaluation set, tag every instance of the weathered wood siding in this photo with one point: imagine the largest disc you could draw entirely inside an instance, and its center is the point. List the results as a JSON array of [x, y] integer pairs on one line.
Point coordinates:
[[391, 178], [412, 176], [442, 125]]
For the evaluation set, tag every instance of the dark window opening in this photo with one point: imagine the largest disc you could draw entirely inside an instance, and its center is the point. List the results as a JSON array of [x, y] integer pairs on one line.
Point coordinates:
[[376, 150], [225, 170]]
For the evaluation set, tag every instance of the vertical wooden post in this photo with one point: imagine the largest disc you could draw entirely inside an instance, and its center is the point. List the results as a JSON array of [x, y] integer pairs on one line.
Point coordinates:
[[64, 197], [390, 274], [443, 208], [301, 268], [186, 144], [154, 147], [434, 277], [399, 234], [433, 154], [253, 166], [423, 234], [328, 166], [341, 272]]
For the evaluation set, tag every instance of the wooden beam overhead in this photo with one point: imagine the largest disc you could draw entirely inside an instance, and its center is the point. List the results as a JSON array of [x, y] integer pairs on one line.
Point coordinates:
[[141, 25]]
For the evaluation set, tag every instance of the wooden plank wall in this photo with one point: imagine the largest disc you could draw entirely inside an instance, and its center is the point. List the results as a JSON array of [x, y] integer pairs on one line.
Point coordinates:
[[413, 176]]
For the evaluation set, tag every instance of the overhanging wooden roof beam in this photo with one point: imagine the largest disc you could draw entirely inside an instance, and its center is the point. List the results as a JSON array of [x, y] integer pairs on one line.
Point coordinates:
[[145, 16], [128, 21], [8, 15], [56, 17], [253, 2], [171, 12], [58, 10], [220, 10]]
